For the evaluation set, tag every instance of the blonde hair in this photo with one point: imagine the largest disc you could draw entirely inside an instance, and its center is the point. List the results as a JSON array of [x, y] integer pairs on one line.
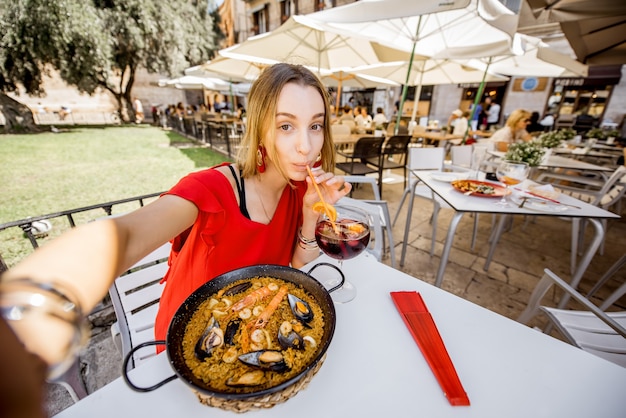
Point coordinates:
[[515, 117], [262, 106]]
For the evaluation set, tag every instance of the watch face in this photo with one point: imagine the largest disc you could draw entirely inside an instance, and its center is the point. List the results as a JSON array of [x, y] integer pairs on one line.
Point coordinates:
[[529, 83]]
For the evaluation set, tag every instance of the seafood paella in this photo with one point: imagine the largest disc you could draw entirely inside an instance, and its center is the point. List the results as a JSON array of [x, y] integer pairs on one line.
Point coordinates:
[[253, 334]]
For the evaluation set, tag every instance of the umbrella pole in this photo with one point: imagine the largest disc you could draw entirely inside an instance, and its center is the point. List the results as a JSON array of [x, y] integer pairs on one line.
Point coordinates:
[[418, 93], [406, 83], [479, 94]]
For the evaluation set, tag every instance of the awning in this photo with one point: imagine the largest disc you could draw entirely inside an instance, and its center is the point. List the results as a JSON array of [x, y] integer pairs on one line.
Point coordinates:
[[598, 75]]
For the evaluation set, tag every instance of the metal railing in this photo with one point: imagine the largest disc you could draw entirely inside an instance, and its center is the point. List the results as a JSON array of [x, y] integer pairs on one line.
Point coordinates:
[[26, 225]]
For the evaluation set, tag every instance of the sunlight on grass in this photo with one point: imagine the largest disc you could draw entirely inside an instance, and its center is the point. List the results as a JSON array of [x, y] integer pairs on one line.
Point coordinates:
[[48, 172]]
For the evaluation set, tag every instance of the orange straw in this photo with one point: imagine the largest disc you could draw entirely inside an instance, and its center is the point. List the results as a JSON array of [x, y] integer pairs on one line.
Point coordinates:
[[319, 193]]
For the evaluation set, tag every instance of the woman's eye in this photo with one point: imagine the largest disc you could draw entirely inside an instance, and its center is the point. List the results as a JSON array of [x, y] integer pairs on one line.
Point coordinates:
[[317, 127], [284, 127]]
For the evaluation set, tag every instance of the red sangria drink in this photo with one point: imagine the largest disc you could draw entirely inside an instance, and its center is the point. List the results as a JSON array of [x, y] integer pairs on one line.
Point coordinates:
[[343, 239]]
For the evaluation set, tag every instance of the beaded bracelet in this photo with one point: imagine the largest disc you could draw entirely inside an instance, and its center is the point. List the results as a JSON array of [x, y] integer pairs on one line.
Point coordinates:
[[305, 243], [27, 300]]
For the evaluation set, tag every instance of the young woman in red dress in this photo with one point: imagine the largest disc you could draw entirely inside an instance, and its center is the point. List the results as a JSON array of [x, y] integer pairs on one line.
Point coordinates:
[[256, 211]]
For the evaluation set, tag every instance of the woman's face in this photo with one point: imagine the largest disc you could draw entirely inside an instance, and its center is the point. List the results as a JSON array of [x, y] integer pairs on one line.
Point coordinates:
[[522, 123], [299, 129]]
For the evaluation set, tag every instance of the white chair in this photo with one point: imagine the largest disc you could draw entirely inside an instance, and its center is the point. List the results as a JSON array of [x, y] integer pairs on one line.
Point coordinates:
[[460, 158], [423, 159], [342, 137], [376, 227], [592, 329], [610, 194], [135, 297], [385, 218]]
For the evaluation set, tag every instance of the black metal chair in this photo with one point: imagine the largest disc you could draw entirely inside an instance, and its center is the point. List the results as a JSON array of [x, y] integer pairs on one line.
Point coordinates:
[[356, 161], [393, 155]]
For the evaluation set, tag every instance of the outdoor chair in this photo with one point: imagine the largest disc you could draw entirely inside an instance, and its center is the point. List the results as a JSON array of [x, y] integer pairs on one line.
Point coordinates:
[[135, 297], [591, 327], [376, 244], [385, 218], [341, 133], [423, 159], [393, 155], [365, 148], [460, 158], [610, 194]]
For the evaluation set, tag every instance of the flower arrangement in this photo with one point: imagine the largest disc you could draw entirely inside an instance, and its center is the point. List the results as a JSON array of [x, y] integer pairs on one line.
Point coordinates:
[[528, 152], [595, 133], [554, 138], [600, 133]]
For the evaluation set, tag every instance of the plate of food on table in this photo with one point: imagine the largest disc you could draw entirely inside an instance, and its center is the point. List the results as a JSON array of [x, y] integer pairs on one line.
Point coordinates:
[[480, 188]]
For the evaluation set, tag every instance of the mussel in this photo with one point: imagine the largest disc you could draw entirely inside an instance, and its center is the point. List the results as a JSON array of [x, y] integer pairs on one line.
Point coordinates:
[[301, 309], [211, 338], [231, 331], [238, 288], [265, 360], [253, 378], [288, 338]]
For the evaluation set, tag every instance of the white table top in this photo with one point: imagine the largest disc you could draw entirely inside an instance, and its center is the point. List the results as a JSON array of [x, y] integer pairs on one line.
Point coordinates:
[[461, 203], [374, 368]]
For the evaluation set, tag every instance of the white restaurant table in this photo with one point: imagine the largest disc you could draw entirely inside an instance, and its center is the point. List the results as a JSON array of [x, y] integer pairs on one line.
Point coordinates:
[[557, 161], [374, 368], [463, 204]]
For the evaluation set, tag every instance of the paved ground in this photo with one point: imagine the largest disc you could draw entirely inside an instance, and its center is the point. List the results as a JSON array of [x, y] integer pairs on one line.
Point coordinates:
[[523, 252]]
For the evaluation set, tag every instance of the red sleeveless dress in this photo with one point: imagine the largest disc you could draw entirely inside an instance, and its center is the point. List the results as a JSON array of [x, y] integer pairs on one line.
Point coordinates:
[[222, 239]]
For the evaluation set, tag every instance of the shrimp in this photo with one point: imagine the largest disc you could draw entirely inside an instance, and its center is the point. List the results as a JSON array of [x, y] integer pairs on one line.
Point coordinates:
[[264, 317], [251, 299]]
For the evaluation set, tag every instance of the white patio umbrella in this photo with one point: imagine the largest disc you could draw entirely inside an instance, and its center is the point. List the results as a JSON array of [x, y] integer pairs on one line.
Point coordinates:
[[595, 29], [302, 41], [191, 82], [234, 69], [315, 45], [425, 71], [474, 28], [536, 59]]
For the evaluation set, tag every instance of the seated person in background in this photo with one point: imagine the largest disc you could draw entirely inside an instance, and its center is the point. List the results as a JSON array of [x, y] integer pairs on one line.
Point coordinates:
[[547, 122], [534, 127], [513, 131], [379, 118], [457, 123], [347, 114], [361, 118]]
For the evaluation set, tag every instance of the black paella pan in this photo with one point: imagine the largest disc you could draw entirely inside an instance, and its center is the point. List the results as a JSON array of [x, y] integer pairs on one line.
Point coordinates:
[[176, 330]]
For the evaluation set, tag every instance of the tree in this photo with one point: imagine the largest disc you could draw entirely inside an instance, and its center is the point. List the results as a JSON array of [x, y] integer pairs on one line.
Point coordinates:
[[98, 44]]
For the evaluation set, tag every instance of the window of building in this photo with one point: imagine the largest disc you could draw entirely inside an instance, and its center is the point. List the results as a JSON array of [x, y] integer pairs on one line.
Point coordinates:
[[260, 20], [288, 8], [324, 4]]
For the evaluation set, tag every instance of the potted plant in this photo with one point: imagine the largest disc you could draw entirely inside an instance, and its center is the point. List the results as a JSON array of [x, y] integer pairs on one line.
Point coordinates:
[[528, 152], [596, 133]]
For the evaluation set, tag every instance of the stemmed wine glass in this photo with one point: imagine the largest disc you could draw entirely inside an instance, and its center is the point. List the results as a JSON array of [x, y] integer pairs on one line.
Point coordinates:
[[343, 239], [511, 173]]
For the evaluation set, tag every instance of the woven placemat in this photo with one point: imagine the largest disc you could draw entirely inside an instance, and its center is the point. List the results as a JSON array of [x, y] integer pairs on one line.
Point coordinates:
[[261, 402]]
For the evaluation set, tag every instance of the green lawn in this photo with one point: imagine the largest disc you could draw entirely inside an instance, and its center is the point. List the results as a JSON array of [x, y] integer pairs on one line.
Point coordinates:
[[52, 172]]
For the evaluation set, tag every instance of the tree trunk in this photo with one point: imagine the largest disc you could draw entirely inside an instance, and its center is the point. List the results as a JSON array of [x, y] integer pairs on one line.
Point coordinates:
[[18, 117]]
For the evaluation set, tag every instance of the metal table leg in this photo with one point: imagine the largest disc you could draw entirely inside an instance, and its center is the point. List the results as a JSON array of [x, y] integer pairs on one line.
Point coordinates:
[[447, 246]]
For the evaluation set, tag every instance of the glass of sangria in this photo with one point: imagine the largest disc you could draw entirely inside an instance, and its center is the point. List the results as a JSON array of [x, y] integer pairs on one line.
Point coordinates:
[[511, 173], [343, 239]]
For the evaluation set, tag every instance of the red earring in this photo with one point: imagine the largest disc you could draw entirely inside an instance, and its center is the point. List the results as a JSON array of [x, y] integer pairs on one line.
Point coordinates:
[[260, 158], [318, 161]]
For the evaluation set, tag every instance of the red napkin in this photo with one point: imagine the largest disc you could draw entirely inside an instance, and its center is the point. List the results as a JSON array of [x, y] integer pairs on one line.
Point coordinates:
[[420, 323]]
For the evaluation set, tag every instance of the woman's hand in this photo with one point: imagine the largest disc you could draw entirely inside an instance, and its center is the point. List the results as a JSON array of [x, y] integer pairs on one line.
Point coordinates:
[[332, 187]]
